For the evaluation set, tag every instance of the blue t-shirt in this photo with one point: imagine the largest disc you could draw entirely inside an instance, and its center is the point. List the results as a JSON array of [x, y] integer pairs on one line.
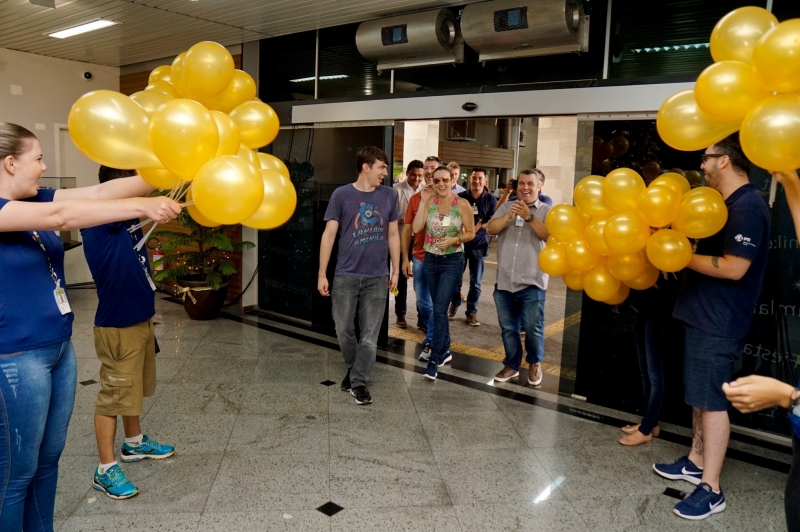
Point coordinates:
[[364, 219], [29, 315], [722, 306], [485, 204], [125, 296]]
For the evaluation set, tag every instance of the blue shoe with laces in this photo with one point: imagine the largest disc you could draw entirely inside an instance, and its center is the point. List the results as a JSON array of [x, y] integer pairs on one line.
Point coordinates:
[[681, 469], [701, 503], [114, 483], [149, 448]]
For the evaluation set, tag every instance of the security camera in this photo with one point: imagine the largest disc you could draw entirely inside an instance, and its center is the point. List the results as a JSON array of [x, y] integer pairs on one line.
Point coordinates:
[[88, 76]]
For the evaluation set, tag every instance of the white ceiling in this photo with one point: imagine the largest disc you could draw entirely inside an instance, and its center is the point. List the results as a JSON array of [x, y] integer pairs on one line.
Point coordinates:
[[152, 29]]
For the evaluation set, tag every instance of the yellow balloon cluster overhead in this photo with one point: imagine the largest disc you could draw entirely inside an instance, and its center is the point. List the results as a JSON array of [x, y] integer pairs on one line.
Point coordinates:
[[752, 88], [633, 232], [197, 122]]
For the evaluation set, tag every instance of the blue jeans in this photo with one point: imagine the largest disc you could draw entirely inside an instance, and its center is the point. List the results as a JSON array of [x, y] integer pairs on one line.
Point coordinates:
[[424, 307], [650, 348], [442, 273], [367, 295], [524, 309], [37, 393], [475, 259]]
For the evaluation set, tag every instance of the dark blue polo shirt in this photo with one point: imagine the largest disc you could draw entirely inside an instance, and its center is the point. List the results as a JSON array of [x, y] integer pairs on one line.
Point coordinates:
[[486, 205], [724, 307], [125, 296], [29, 315]]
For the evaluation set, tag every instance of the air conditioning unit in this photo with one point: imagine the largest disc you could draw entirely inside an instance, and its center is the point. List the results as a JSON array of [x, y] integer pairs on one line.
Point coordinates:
[[504, 29], [418, 39]]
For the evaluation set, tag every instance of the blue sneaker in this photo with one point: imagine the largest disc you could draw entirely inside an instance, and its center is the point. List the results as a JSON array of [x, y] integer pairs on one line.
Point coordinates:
[[114, 483], [149, 448], [701, 503], [430, 372], [448, 357], [681, 469]]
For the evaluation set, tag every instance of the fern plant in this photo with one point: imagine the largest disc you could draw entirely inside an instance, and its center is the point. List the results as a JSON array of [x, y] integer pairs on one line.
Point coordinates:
[[207, 260]]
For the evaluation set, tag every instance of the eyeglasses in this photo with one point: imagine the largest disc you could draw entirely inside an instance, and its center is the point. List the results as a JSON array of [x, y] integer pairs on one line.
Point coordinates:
[[706, 156], [437, 180]]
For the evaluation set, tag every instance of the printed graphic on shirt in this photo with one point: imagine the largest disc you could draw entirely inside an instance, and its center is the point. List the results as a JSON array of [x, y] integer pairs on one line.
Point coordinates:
[[368, 226], [744, 240]]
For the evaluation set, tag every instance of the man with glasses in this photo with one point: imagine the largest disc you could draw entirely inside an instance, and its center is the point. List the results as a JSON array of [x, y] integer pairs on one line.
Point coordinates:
[[483, 206], [718, 293]]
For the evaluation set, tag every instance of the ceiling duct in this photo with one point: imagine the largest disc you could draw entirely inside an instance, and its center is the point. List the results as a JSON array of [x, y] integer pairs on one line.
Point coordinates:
[[418, 39], [503, 29]]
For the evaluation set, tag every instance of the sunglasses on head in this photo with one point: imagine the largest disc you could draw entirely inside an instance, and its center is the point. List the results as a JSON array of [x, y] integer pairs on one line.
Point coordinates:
[[437, 180], [706, 156]]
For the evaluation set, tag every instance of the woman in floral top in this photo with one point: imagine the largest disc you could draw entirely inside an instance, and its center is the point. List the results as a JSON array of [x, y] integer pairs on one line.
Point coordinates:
[[448, 223]]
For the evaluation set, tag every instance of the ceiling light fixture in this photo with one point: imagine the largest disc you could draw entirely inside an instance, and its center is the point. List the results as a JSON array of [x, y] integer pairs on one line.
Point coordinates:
[[679, 47], [83, 28], [300, 80]]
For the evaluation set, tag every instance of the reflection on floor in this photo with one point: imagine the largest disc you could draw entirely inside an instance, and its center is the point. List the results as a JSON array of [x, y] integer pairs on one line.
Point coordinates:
[[267, 441]]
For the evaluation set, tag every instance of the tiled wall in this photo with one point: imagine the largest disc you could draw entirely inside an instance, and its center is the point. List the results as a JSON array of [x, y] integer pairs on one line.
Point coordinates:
[[556, 151]]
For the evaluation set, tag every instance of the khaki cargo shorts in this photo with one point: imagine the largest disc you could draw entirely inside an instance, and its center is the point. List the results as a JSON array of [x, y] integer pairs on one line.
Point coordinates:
[[128, 368]]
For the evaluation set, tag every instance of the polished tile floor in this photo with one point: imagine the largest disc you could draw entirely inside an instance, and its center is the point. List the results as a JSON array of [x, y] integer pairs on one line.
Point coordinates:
[[262, 444]]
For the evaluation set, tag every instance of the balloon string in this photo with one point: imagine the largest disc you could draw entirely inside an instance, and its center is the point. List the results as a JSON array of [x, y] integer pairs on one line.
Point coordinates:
[[139, 245], [139, 225], [183, 192], [177, 195]]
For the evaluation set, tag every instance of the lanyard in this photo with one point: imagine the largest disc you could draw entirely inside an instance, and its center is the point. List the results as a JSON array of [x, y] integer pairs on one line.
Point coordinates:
[[53, 273], [142, 260]]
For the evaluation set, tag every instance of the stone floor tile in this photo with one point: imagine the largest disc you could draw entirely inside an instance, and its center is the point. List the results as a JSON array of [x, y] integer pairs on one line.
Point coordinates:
[[272, 397], [368, 430], [397, 519], [488, 430], [273, 434], [219, 398], [289, 521], [172, 522], [191, 433], [545, 516]]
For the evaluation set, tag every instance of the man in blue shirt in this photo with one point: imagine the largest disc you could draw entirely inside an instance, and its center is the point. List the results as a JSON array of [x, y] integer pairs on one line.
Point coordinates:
[[483, 206], [364, 215], [715, 302], [125, 346]]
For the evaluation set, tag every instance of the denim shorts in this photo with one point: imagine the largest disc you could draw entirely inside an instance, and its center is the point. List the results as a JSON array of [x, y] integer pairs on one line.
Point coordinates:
[[708, 363]]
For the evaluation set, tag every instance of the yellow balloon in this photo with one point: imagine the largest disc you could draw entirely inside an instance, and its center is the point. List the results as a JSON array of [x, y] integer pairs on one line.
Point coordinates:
[[163, 86], [646, 280], [249, 155], [228, 189], [599, 284], [161, 73], [669, 251], [242, 88], [280, 200], [622, 188], [574, 280], [589, 197], [113, 130], [728, 90], [776, 58], [677, 182], [258, 123], [770, 133], [177, 76], [184, 136], [684, 126], [553, 259], [658, 206], [151, 100], [198, 216], [158, 177], [627, 267], [580, 257], [735, 35], [565, 223], [594, 237], [229, 139], [271, 162], [620, 296], [703, 213], [207, 69], [626, 233]]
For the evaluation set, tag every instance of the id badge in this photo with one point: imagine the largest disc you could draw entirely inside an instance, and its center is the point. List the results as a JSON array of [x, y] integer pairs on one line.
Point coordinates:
[[61, 299], [150, 280], [446, 221], [474, 208], [519, 222]]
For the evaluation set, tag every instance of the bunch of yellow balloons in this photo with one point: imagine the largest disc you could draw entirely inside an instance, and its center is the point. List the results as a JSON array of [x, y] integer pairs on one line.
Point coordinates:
[[197, 122], [621, 234], [752, 87]]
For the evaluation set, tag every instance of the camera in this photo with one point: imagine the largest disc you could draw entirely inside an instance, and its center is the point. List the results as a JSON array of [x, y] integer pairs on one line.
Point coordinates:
[[88, 76]]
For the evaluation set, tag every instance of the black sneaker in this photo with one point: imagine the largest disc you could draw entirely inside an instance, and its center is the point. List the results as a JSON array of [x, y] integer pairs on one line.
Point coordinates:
[[362, 395], [346, 383]]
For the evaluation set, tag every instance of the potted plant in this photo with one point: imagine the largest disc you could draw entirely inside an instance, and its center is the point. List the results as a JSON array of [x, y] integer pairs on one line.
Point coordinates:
[[198, 262]]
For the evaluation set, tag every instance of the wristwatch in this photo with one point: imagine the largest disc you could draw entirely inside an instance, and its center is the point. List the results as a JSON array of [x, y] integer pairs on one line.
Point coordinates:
[[529, 219]]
